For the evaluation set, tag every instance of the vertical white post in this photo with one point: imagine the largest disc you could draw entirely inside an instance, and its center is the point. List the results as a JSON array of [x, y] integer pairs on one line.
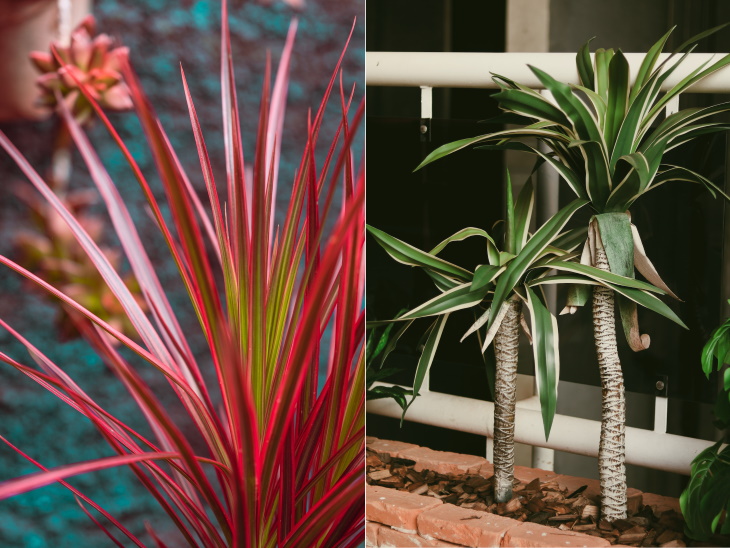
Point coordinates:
[[426, 102]]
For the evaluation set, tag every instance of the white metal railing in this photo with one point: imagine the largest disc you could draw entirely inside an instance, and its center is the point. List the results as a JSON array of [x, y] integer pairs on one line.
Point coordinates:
[[654, 449], [473, 70]]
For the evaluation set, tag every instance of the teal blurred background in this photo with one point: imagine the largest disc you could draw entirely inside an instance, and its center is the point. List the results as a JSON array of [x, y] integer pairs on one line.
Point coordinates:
[[161, 35]]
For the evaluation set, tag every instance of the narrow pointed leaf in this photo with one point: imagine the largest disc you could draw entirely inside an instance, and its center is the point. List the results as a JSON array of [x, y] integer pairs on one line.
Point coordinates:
[[539, 241], [547, 357], [407, 254]]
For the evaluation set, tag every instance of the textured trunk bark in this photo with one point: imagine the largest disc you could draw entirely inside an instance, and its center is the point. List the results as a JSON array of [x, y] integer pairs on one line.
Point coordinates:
[[506, 350], [611, 454]]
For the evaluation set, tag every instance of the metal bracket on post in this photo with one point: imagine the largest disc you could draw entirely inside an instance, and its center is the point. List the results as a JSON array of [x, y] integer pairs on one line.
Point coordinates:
[[661, 404], [426, 113]]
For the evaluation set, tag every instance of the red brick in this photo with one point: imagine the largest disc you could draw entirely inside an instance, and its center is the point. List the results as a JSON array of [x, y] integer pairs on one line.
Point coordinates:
[[396, 508], [371, 533], [486, 470], [526, 474], [443, 462], [463, 527], [389, 447], [660, 503], [528, 535], [389, 538]]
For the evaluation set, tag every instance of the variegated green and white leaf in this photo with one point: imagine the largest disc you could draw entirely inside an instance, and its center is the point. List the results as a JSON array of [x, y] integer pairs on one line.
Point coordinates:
[[426, 359], [461, 235], [458, 298], [545, 347], [535, 245], [412, 256]]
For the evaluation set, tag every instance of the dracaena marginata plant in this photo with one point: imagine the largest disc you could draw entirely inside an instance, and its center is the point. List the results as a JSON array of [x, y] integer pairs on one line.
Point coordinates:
[[512, 278], [264, 456], [601, 138]]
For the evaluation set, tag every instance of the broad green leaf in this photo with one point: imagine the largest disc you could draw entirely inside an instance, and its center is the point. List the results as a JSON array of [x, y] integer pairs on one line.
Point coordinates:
[[716, 352], [618, 241], [707, 497], [541, 239], [409, 255], [547, 358]]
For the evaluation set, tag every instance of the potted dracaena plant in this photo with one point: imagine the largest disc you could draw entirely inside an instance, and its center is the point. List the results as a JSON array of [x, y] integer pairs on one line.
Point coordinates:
[[600, 137], [512, 277], [258, 452]]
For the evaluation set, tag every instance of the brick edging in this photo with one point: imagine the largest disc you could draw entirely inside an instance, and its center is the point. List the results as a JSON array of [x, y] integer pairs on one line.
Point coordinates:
[[402, 519]]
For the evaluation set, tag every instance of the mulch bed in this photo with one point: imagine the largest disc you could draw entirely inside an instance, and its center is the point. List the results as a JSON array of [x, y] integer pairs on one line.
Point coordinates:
[[538, 502]]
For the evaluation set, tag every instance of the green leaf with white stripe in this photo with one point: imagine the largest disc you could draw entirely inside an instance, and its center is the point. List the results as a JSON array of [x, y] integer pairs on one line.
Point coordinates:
[[580, 117], [585, 67], [545, 349], [461, 296], [509, 236], [677, 173], [602, 276], [441, 282], [618, 95], [648, 63], [485, 274], [523, 215], [535, 245], [426, 359], [409, 255], [461, 235]]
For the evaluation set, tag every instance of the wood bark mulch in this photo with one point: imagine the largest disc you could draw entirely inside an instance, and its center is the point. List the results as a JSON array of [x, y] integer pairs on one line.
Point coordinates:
[[539, 502]]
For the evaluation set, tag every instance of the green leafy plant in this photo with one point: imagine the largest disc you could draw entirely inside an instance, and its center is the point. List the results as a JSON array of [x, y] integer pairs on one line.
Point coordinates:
[[273, 458], [381, 341], [601, 139], [514, 274], [705, 502]]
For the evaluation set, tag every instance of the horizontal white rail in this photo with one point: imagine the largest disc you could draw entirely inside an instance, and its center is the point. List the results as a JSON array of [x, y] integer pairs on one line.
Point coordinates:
[[472, 70], [656, 450]]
